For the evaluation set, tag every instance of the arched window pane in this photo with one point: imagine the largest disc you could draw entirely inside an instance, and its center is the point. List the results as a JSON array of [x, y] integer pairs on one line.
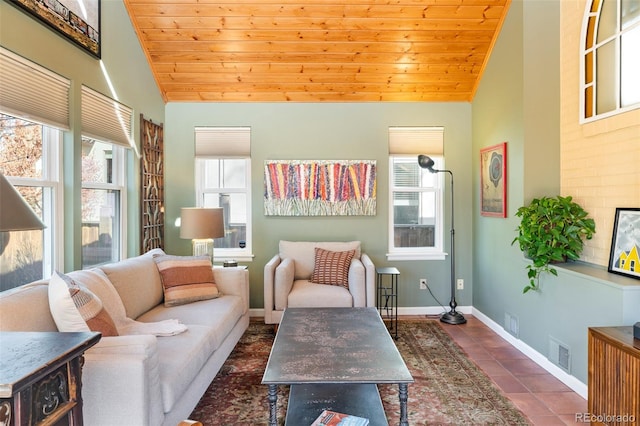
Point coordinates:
[[608, 23], [630, 13], [606, 78], [630, 67]]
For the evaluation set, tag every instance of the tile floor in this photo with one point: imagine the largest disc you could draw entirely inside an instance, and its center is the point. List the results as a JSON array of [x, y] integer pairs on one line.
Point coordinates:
[[544, 399]]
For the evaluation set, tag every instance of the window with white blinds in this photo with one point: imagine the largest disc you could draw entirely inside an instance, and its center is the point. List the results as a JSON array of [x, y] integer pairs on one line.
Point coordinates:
[[106, 119], [24, 85], [415, 196], [223, 179], [224, 142], [416, 140]]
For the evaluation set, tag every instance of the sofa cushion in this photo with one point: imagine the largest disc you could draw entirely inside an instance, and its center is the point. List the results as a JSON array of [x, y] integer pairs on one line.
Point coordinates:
[[306, 294], [137, 281], [220, 314], [75, 308], [186, 279], [181, 359], [303, 253], [332, 267]]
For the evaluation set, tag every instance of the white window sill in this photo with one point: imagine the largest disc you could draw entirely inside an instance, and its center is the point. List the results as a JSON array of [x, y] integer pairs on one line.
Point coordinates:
[[416, 256], [246, 257]]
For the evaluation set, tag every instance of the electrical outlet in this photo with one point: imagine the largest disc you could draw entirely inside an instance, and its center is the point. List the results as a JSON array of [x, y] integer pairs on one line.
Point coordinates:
[[460, 284], [423, 283]]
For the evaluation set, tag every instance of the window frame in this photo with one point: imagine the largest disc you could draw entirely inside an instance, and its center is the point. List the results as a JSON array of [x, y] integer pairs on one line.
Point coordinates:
[[119, 184], [51, 184], [589, 77], [221, 254], [418, 253]]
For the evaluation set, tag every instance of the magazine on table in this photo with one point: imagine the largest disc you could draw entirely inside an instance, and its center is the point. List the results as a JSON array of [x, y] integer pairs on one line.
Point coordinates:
[[333, 418]]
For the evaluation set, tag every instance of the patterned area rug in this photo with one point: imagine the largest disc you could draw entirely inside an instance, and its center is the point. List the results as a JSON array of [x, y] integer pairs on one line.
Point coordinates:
[[449, 389]]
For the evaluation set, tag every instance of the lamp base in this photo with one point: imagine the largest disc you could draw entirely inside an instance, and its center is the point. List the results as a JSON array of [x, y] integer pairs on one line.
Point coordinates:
[[453, 317], [203, 247]]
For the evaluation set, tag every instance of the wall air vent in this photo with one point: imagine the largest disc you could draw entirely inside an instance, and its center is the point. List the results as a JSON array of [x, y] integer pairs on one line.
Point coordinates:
[[560, 354], [511, 324]]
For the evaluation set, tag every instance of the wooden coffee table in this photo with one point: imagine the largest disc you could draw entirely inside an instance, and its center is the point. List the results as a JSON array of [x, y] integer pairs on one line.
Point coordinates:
[[333, 358]]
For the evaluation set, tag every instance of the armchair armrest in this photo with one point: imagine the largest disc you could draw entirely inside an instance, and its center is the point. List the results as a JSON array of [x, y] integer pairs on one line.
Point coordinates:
[[370, 279], [233, 281], [123, 372]]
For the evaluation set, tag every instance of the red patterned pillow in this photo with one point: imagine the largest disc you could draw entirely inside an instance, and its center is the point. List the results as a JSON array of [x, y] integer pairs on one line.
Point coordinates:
[[332, 267], [186, 279]]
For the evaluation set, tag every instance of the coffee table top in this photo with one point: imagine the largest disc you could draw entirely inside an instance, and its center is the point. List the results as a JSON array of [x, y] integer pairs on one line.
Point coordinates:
[[334, 345]]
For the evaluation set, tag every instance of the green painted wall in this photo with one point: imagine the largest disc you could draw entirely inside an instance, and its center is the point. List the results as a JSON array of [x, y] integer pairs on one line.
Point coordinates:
[[327, 131], [124, 64], [518, 102]]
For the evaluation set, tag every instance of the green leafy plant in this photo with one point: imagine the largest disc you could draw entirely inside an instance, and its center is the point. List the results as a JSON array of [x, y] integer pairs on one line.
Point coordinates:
[[551, 231]]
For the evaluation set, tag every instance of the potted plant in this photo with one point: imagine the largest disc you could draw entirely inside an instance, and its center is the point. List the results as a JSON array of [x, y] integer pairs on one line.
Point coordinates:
[[551, 231]]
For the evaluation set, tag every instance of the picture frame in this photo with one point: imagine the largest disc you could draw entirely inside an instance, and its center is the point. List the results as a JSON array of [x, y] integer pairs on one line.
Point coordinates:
[[493, 180], [624, 257], [80, 25], [320, 187]]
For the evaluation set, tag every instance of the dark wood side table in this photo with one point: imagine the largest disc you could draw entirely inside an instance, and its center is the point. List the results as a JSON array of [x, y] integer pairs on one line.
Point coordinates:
[[40, 377], [614, 376], [387, 300]]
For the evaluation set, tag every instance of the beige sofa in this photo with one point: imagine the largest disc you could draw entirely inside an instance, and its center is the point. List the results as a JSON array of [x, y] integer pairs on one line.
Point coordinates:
[[143, 379], [287, 279]]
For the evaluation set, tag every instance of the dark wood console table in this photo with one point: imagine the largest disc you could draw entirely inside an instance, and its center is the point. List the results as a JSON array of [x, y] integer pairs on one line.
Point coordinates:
[[614, 376], [40, 377]]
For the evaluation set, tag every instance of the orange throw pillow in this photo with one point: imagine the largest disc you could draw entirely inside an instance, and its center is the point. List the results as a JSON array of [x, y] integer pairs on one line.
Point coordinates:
[[186, 279]]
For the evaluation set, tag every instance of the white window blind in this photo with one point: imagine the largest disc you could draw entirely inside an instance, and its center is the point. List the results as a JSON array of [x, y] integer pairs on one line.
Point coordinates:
[[223, 142], [25, 85], [416, 140], [106, 119]]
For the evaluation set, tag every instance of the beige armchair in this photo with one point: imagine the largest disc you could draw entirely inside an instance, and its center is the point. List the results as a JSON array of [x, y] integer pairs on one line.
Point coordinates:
[[287, 279]]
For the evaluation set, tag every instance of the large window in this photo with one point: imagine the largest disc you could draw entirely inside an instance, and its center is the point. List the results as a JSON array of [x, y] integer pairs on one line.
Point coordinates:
[[223, 179], [416, 200], [415, 228], [102, 198], [611, 64], [29, 158]]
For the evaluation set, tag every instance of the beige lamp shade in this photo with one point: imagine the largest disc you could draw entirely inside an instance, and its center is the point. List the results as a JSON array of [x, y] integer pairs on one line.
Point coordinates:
[[15, 213], [201, 223]]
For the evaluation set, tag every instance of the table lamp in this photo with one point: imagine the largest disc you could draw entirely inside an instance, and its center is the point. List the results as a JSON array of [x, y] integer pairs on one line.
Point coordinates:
[[202, 225], [15, 213]]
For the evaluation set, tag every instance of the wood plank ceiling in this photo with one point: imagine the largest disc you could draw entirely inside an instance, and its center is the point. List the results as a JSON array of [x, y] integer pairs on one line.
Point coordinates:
[[317, 50]]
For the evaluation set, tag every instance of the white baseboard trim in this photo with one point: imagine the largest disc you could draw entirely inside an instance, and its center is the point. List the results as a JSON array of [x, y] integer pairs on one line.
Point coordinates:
[[571, 381], [257, 312], [432, 310]]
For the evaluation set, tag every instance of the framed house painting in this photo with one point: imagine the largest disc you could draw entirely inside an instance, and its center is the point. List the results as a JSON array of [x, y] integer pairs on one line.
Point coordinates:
[[493, 180], [624, 258], [78, 21]]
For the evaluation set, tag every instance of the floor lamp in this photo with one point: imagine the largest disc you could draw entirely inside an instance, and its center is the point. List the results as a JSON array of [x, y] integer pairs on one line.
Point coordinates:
[[453, 316]]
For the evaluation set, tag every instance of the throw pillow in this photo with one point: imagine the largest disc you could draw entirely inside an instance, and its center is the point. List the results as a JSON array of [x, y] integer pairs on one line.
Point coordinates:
[[332, 267], [75, 308], [186, 279]]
